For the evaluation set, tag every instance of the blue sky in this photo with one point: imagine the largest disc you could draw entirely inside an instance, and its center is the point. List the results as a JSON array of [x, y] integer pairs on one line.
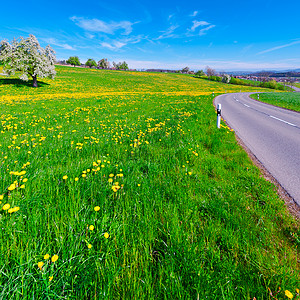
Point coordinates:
[[225, 35]]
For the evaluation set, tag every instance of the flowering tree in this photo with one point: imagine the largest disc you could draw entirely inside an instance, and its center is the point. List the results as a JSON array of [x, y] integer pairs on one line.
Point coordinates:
[[103, 63], [27, 57], [226, 78]]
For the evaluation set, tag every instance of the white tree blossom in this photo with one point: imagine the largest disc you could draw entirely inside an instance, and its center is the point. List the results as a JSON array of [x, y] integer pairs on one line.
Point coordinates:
[[226, 78], [29, 58]]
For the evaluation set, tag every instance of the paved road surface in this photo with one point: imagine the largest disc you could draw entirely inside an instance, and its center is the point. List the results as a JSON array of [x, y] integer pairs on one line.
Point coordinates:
[[296, 89], [272, 134]]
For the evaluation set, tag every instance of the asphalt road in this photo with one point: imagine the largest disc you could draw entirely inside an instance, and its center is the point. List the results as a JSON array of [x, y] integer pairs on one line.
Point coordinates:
[[271, 133], [296, 89]]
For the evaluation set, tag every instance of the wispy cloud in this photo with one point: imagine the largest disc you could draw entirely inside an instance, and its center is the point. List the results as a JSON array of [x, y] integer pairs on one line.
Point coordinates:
[[194, 14], [96, 25], [196, 24], [55, 42], [120, 43], [115, 45], [204, 30], [279, 47], [169, 33]]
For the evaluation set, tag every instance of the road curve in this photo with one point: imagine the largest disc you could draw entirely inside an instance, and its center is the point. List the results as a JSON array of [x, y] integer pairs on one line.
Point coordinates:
[[271, 133], [296, 89]]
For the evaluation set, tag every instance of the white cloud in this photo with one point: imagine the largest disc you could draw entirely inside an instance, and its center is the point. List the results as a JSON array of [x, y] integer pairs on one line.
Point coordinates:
[[55, 42], [118, 44], [115, 45], [95, 25], [196, 24], [194, 14], [168, 33], [279, 47], [204, 30]]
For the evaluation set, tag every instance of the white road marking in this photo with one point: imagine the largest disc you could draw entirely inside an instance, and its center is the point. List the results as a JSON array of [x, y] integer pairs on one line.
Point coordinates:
[[284, 121], [246, 105]]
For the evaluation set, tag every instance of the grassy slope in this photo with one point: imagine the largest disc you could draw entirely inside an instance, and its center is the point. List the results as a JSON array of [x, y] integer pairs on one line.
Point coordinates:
[[191, 216], [286, 100]]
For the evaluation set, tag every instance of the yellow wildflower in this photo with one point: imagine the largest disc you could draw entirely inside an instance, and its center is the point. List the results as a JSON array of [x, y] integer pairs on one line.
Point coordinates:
[[83, 175], [89, 246], [22, 186], [50, 278], [96, 208], [1, 197], [6, 206], [54, 258], [106, 235], [91, 227], [65, 177], [46, 256], [76, 178], [40, 265], [12, 187], [25, 180], [289, 294]]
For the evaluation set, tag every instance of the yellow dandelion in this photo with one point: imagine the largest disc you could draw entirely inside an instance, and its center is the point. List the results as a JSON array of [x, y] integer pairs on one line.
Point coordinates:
[[25, 180], [46, 256], [1, 197], [91, 227], [50, 278], [83, 175], [106, 235], [76, 178], [16, 208], [40, 265], [289, 294], [110, 180], [111, 175], [96, 208], [65, 177], [54, 258], [12, 187], [6, 206], [89, 246], [22, 186]]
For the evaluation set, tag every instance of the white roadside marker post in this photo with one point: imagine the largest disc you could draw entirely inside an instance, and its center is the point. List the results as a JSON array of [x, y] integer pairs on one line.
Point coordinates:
[[218, 115], [258, 96]]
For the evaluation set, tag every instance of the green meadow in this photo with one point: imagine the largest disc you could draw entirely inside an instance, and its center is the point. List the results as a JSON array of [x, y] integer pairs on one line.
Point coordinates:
[[118, 185], [285, 100]]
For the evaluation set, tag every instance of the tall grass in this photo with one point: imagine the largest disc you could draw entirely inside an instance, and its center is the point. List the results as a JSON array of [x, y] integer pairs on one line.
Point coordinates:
[[177, 208]]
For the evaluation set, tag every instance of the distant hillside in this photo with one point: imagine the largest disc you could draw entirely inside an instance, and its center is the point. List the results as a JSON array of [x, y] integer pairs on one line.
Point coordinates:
[[294, 73]]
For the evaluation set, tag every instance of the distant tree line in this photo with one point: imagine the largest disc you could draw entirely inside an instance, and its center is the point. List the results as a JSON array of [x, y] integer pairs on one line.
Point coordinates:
[[91, 63], [265, 82]]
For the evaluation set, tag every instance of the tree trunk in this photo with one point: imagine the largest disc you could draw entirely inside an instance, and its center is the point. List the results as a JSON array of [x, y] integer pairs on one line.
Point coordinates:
[[34, 81]]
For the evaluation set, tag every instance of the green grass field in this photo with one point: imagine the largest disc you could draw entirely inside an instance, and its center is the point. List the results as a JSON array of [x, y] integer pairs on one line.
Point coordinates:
[[285, 100], [117, 185]]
